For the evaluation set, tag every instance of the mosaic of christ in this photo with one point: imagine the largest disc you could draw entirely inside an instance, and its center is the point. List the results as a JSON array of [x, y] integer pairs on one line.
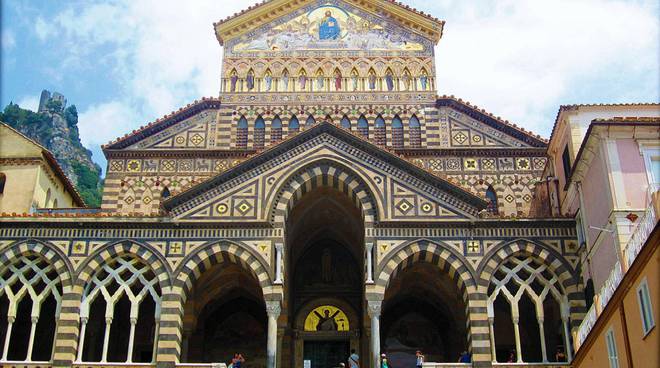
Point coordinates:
[[328, 27]]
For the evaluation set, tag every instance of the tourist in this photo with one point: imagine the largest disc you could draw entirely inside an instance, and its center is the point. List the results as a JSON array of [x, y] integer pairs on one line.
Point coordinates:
[[560, 356], [512, 357], [237, 361], [353, 360], [465, 357], [419, 359], [383, 361]]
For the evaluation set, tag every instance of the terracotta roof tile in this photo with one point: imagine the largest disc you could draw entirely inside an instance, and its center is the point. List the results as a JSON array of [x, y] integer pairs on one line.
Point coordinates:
[[162, 120], [257, 5]]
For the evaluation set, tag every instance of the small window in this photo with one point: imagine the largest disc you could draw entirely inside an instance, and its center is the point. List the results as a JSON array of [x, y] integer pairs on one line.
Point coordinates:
[[611, 349], [363, 127], [397, 132], [55, 203], [294, 124], [47, 198], [3, 180], [242, 132], [566, 162], [645, 307], [165, 193], [259, 132], [276, 129], [491, 197], [346, 122]]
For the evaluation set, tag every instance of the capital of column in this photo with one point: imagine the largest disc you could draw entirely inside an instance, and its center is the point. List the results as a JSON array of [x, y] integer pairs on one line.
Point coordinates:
[[134, 321], [273, 308], [370, 246], [84, 320], [108, 320], [35, 319], [279, 246], [515, 320], [374, 307], [11, 319]]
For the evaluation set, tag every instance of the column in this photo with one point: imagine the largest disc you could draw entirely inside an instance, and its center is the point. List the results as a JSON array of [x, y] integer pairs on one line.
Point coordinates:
[[10, 323], [273, 309], [567, 340], [156, 339], [516, 330], [33, 328], [106, 339], [491, 330], [278, 262], [374, 312], [544, 353], [131, 340], [81, 345], [370, 271]]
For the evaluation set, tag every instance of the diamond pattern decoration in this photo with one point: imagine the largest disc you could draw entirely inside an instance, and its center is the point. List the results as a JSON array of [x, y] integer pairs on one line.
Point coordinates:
[[243, 207], [196, 139], [460, 137], [404, 206], [133, 165], [527, 198], [146, 200], [129, 199], [509, 198]]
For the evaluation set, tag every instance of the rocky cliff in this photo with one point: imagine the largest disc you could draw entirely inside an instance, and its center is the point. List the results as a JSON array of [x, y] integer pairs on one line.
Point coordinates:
[[57, 130]]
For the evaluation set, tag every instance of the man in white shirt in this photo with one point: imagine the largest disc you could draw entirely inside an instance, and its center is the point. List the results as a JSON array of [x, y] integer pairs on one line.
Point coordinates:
[[419, 359], [354, 360]]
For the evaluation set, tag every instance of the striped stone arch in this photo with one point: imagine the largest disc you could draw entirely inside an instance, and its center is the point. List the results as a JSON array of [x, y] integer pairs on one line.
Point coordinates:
[[323, 173], [107, 253], [567, 276], [219, 252], [425, 250], [45, 250], [453, 263]]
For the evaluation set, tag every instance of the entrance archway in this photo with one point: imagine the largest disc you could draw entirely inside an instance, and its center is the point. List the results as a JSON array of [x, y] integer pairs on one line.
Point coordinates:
[[423, 310], [325, 252], [225, 314]]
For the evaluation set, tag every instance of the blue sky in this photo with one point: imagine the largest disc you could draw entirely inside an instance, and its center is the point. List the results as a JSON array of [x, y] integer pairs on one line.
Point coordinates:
[[125, 63]]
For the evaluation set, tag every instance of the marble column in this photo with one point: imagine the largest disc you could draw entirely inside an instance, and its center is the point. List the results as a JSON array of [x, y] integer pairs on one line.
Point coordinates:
[[374, 312], [516, 331], [370, 257], [273, 309], [491, 330], [278, 262]]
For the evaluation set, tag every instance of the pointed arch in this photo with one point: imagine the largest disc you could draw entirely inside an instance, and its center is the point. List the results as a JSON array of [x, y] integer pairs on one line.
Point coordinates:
[[48, 195], [276, 129], [146, 201], [345, 122], [294, 124], [310, 121], [491, 197], [3, 181], [363, 126], [165, 193], [372, 79], [415, 132], [397, 132], [242, 132], [128, 201], [259, 132], [381, 134]]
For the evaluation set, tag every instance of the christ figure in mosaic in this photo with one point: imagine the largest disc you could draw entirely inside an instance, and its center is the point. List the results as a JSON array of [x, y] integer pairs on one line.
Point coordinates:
[[389, 80], [338, 80], [329, 28]]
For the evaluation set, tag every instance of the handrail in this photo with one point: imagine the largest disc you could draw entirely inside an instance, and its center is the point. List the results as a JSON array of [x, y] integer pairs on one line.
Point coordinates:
[[638, 238]]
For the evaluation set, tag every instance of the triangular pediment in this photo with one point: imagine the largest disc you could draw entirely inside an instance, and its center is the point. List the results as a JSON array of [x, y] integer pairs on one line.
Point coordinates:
[[279, 25], [471, 127], [400, 190]]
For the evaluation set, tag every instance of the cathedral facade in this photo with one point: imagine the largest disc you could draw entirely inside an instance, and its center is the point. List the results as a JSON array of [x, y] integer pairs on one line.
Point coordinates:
[[327, 201]]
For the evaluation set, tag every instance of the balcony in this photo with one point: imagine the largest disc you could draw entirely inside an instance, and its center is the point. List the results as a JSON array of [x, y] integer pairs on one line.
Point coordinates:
[[638, 238]]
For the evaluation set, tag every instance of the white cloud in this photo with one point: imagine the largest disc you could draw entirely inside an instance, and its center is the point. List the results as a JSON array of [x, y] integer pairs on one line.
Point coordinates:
[[28, 102], [100, 123], [43, 29], [8, 39]]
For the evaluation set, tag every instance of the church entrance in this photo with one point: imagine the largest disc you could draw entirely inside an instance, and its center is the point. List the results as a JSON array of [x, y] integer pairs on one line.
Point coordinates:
[[325, 293]]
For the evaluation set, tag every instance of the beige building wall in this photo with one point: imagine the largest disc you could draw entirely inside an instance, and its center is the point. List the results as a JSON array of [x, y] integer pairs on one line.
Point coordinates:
[[30, 179]]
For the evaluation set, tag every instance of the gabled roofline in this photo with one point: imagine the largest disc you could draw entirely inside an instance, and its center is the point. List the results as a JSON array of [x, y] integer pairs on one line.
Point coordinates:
[[163, 123], [320, 128], [563, 108], [433, 23], [496, 122], [48, 156]]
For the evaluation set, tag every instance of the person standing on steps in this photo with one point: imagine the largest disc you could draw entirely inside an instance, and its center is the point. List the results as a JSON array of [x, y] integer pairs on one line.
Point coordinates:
[[419, 359], [353, 360]]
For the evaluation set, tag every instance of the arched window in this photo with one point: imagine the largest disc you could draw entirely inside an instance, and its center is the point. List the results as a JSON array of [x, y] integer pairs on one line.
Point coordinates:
[[415, 132], [122, 298], [526, 295], [30, 297], [491, 197], [47, 198], [397, 132], [310, 121], [165, 193], [242, 133], [345, 122], [259, 132], [3, 181], [379, 125], [55, 203], [276, 129], [294, 125], [363, 127]]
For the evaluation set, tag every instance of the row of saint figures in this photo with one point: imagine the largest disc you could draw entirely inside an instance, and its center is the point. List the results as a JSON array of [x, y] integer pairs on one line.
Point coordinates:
[[320, 82]]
